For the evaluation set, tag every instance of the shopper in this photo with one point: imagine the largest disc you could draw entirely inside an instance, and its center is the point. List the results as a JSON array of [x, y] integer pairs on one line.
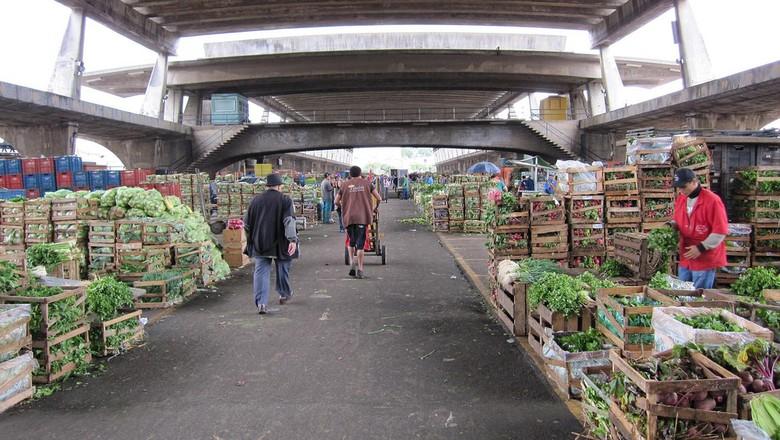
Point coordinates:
[[337, 182], [528, 183], [500, 185], [327, 199], [358, 208], [271, 237], [701, 220], [388, 184]]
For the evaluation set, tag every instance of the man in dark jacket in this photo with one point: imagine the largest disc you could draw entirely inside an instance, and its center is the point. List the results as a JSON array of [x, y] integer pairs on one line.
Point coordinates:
[[271, 236]]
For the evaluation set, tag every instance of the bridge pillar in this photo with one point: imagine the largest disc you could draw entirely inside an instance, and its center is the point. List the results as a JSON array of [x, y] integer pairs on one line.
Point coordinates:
[[610, 75], [66, 78], [597, 101], [696, 65], [174, 105], [193, 111], [154, 98], [150, 153], [720, 121], [579, 105], [42, 140]]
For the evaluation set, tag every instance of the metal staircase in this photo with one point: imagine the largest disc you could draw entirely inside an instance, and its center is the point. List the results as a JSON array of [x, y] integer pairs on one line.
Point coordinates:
[[559, 140], [204, 149]]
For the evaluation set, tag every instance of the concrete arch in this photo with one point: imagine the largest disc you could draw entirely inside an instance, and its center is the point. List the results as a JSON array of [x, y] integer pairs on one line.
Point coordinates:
[[259, 140]]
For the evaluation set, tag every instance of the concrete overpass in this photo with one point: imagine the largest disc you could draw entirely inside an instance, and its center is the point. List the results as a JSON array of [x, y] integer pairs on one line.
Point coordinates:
[[252, 141]]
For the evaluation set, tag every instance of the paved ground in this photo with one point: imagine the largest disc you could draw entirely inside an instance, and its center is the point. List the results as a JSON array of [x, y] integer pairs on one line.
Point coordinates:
[[407, 353]]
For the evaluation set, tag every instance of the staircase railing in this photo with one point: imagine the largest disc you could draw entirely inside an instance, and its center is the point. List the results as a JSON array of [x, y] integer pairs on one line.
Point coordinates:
[[572, 144]]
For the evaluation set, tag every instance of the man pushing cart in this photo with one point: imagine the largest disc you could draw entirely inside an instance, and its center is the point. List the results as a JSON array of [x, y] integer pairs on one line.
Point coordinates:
[[358, 207]]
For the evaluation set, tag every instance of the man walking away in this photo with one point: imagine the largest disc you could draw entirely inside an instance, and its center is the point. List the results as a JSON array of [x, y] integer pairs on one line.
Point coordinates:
[[337, 189], [701, 220], [357, 208], [388, 184], [327, 199], [271, 236]]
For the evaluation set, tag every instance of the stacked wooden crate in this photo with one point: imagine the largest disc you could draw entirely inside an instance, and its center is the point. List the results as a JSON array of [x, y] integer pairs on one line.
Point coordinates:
[[738, 243], [757, 201], [440, 214], [38, 227], [102, 246], [508, 234], [455, 207], [585, 208], [16, 360], [549, 231], [12, 232], [693, 153], [623, 202], [473, 212]]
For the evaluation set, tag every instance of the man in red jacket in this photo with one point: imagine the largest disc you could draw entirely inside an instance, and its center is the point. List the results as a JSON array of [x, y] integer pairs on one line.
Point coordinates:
[[701, 220]]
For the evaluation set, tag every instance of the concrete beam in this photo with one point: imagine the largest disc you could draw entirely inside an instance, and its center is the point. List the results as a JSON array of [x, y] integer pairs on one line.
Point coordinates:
[[629, 17], [125, 20], [696, 64], [66, 78], [149, 153], [42, 140]]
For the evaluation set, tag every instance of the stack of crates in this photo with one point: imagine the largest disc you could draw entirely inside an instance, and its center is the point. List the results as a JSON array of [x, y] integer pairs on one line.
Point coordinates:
[[67, 168], [11, 174], [12, 233]]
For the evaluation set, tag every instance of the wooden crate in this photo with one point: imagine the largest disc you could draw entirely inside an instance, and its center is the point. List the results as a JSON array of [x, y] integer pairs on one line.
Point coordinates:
[[543, 319], [585, 209], [69, 270], [588, 238], [474, 227], [766, 259], [87, 209], [38, 231], [657, 207], [105, 329], [102, 256], [441, 226], [614, 228], [129, 231], [439, 201], [586, 259], [585, 181], [624, 209], [71, 230], [189, 254], [718, 379], [547, 210], [152, 260], [656, 179], [766, 237], [648, 227], [512, 222], [161, 299], [21, 377], [621, 181], [700, 298], [756, 209], [64, 209], [632, 249], [12, 235], [550, 239], [156, 233], [607, 306], [563, 370], [15, 255], [763, 174], [511, 308], [101, 231], [20, 324], [48, 357], [37, 209], [12, 213], [737, 262], [685, 150]]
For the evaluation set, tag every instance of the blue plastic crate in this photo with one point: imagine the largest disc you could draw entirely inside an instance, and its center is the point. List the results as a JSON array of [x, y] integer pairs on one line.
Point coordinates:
[[80, 179], [2, 168], [65, 164], [31, 181], [97, 179], [113, 178], [13, 166], [7, 194], [47, 182]]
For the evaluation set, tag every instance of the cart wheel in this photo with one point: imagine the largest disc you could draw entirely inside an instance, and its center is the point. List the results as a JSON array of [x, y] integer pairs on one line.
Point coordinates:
[[379, 250], [217, 227], [384, 255], [346, 256]]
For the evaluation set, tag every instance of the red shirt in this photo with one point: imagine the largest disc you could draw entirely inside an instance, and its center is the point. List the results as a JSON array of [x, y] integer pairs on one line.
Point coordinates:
[[708, 216]]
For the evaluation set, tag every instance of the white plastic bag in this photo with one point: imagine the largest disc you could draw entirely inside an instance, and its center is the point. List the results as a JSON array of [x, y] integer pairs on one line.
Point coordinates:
[[12, 326], [670, 332], [748, 430]]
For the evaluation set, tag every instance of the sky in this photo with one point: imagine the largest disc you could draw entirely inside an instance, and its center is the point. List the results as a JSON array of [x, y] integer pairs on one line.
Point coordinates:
[[737, 38]]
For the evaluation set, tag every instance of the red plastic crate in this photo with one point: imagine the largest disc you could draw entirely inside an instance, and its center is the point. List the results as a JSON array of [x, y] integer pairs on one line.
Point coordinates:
[[45, 165], [14, 181], [146, 186], [33, 194], [93, 167], [2, 182], [29, 166], [141, 173], [129, 178], [64, 180]]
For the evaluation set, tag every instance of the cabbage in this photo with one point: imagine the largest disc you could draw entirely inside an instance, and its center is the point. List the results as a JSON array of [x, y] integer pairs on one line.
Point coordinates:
[[108, 199], [95, 195], [124, 195], [59, 194], [135, 213]]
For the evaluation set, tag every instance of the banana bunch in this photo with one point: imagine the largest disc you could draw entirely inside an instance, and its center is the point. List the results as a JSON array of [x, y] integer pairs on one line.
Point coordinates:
[[766, 414]]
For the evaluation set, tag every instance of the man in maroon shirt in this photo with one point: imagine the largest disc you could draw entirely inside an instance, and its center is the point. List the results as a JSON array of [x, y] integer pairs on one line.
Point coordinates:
[[357, 208]]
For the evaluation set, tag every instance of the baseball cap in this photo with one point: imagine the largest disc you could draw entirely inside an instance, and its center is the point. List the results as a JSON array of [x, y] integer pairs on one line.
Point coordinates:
[[682, 176], [273, 180]]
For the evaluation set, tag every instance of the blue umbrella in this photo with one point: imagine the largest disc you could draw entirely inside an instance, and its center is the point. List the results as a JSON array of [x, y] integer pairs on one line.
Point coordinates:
[[484, 168]]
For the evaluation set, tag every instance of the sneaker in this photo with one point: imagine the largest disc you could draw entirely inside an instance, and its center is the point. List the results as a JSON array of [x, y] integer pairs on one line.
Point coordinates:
[[284, 299], [360, 274], [262, 309], [352, 272]]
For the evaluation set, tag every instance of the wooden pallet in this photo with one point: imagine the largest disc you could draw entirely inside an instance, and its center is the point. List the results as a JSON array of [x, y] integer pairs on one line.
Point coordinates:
[[105, 330], [621, 186], [607, 305], [585, 209]]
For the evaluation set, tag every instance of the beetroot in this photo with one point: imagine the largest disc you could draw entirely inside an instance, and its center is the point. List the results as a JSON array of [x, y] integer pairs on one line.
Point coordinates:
[[742, 389], [670, 399], [706, 404], [746, 377], [701, 395], [758, 386]]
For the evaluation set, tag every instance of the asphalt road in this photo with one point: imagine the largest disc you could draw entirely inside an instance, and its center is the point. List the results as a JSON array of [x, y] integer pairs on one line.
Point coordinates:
[[407, 353]]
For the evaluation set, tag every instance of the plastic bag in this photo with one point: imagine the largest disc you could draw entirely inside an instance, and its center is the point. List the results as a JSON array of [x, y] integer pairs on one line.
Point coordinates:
[[506, 274], [670, 332], [12, 326], [551, 350], [747, 430], [678, 284], [18, 373], [662, 144]]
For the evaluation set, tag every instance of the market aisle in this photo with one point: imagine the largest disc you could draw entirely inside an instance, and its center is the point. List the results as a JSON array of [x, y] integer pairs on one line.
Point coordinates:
[[407, 353]]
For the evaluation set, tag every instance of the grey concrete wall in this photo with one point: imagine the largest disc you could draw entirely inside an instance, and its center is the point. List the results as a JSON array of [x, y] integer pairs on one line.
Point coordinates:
[[150, 153], [36, 141], [264, 140]]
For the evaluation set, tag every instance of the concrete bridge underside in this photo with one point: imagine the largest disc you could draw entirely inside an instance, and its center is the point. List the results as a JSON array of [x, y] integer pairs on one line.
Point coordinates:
[[263, 140]]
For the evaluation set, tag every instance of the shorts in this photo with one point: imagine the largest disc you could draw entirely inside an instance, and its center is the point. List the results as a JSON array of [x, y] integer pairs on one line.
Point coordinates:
[[357, 236]]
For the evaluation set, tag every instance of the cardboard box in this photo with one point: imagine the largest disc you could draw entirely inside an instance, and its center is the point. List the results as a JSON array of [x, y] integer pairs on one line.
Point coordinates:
[[235, 260], [234, 236]]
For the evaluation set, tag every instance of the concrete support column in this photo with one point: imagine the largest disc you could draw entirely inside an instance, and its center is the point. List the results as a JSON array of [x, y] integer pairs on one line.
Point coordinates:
[[174, 105], [193, 110], [155, 91], [597, 100], [66, 79], [42, 140], [150, 153], [578, 104], [695, 61], [610, 75]]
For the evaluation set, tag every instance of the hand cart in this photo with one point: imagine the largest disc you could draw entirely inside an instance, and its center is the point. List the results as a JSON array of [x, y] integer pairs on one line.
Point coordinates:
[[373, 242]]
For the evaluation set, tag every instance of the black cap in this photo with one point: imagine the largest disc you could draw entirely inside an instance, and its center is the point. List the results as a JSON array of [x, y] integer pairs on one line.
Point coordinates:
[[273, 179], [682, 176]]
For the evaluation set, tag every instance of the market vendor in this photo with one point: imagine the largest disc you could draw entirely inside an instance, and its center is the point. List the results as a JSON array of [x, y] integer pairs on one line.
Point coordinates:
[[701, 220]]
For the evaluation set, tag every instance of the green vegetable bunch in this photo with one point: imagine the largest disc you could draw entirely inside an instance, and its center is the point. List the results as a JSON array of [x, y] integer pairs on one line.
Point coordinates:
[[9, 277], [531, 270], [558, 292], [51, 254], [106, 296], [578, 342], [664, 241], [64, 315], [659, 281], [754, 281], [710, 321], [594, 283], [613, 268]]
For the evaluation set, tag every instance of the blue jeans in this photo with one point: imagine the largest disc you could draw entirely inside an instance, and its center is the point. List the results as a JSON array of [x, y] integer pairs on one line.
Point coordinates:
[[702, 279], [341, 222], [327, 207], [262, 279]]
